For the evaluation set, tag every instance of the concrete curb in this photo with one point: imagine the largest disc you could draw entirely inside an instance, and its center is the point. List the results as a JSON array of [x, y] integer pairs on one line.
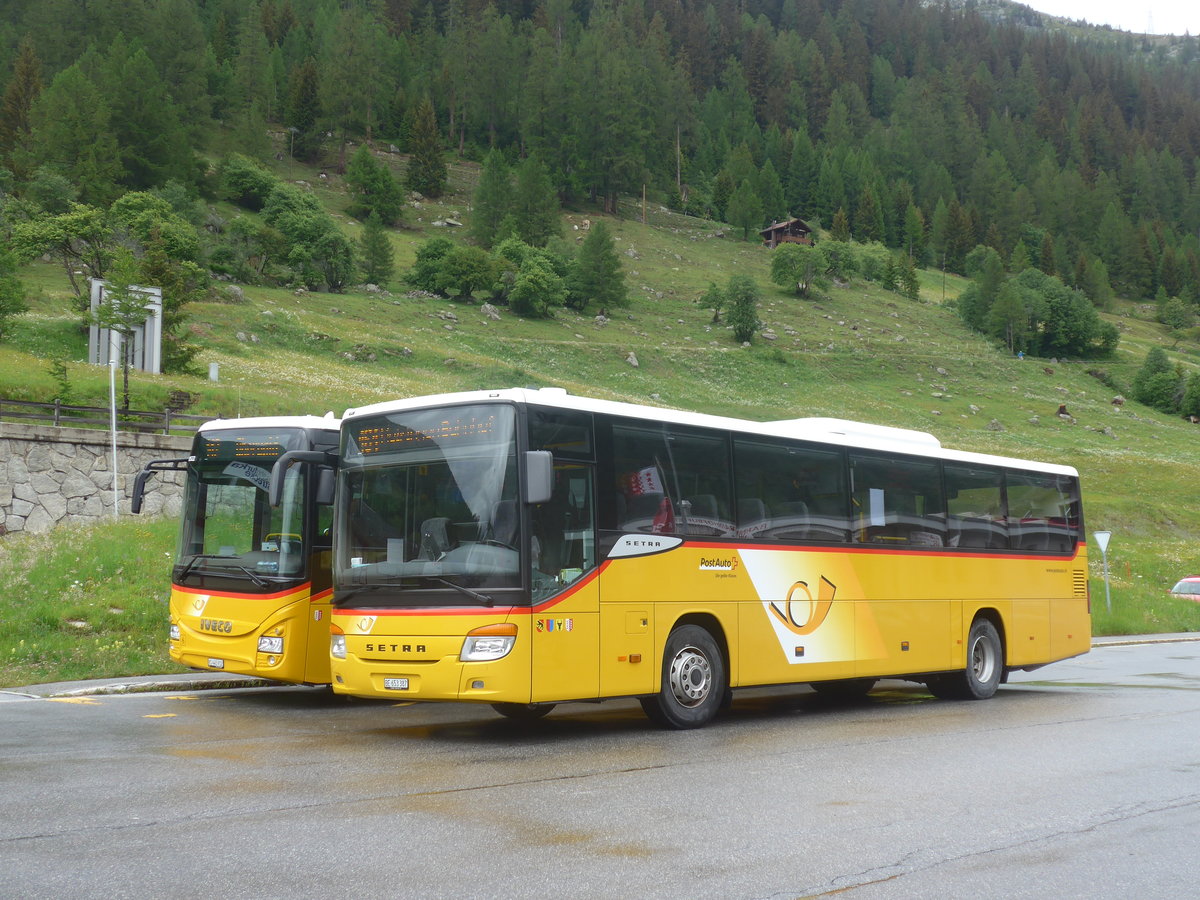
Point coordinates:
[[140, 684]]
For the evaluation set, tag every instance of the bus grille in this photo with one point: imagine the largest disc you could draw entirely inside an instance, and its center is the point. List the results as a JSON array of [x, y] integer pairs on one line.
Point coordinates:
[[1080, 578]]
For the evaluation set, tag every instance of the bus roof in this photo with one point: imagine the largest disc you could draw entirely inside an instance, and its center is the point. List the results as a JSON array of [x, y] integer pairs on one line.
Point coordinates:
[[838, 432], [327, 422]]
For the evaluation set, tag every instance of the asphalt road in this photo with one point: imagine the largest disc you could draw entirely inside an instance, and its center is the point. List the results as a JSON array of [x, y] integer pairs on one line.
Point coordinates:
[[1079, 780]]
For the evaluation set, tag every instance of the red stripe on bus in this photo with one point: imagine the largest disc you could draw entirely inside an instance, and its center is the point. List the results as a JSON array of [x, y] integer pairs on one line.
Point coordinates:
[[240, 596]]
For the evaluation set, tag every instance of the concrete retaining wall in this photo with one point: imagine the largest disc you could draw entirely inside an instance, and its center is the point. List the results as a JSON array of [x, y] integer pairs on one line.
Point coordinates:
[[50, 475]]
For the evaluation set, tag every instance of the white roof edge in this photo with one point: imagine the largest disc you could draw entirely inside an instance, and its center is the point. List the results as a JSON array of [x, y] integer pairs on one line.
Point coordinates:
[[849, 428], [328, 422], [842, 432]]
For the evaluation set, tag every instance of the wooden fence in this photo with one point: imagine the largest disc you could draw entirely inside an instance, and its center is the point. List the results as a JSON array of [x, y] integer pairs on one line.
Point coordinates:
[[168, 421]]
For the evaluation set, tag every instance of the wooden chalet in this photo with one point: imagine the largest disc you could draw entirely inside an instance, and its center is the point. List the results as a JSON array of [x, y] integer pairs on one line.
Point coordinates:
[[790, 231]]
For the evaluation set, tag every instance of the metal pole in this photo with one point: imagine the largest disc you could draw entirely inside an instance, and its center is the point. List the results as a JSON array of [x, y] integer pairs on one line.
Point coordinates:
[[1107, 595], [114, 350]]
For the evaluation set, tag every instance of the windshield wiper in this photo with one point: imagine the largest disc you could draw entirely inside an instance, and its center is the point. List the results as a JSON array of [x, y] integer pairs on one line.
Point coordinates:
[[196, 557], [191, 564], [474, 595]]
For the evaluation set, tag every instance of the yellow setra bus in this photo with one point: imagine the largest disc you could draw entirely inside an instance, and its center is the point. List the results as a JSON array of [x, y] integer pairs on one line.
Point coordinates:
[[251, 584], [524, 548]]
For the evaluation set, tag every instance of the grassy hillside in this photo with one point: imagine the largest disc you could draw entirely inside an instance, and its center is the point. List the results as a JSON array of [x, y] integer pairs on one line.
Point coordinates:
[[861, 353]]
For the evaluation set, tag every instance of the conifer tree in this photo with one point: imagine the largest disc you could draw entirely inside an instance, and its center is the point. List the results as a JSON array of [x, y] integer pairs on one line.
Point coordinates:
[[840, 229], [535, 206], [15, 108], [1157, 382], [182, 281], [492, 201], [427, 168], [741, 299], [770, 192], [722, 190], [745, 209], [376, 257], [596, 277], [151, 140], [914, 233], [72, 133], [373, 187], [303, 111], [1191, 396]]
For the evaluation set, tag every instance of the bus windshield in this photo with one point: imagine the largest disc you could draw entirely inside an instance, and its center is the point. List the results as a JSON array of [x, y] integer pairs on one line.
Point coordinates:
[[230, 532], [428, 502]]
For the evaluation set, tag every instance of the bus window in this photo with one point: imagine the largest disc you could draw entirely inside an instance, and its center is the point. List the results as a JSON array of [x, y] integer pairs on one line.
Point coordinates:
[[1043, 512], [794, 493], [565, 434], [897, 501], [563, 546], [671, 481], [975, 504]]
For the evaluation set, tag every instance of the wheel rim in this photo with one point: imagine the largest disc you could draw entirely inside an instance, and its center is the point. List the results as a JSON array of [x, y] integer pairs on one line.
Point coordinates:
[[691, 677], [983, 660]]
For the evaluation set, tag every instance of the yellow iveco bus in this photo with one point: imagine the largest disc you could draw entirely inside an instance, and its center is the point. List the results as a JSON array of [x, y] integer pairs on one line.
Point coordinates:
[[524, 548], [251, 583]]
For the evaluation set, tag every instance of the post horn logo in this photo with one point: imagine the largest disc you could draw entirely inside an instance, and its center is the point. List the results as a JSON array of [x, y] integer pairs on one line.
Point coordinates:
[[800, 613], [365, 624]]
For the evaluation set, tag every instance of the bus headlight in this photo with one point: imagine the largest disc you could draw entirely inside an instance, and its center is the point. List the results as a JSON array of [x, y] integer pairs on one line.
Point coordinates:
[[488, 643], [270, 644], [174, 632], [337, 642]]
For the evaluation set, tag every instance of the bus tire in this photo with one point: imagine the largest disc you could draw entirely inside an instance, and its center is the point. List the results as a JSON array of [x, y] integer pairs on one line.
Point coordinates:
[[984, 669], [693, 684], [523, 712]]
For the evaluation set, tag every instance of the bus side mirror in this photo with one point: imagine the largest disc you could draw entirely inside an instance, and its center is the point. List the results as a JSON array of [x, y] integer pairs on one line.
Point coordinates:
[[325, 482], [279, 470], [139, 490], [139, 482], [539, 476]]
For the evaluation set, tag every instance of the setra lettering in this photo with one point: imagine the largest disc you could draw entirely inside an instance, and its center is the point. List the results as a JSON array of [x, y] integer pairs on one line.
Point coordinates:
[[394, 648]]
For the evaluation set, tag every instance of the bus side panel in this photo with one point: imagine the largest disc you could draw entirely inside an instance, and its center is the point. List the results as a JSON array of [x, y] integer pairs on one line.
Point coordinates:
[[905, 612], [1028, 632], [627, 649], [316, 669], [641, 598], [565, 636], [1070, 628], [801, 623]]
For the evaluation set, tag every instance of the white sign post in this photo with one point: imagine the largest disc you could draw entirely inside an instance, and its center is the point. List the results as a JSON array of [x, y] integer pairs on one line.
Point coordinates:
[[1102, 542]]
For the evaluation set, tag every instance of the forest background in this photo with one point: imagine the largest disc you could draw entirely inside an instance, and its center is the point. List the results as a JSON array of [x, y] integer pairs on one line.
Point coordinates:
[[1034, 180]]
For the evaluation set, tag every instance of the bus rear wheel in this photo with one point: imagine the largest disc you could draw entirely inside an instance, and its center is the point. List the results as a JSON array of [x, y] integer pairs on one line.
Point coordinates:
[[523, 712], [693, 683], [984, 669]]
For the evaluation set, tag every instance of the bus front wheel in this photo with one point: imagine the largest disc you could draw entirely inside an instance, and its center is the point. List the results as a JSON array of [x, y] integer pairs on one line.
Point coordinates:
[[984, 669], [693, 683]]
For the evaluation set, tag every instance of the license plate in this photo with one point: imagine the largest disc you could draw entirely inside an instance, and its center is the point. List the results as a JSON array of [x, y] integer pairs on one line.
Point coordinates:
[[395, 684], [216, 663]]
